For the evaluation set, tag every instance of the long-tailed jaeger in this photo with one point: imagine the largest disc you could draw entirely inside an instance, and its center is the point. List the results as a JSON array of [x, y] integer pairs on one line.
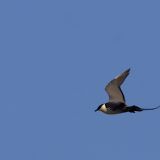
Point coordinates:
[[117, 103]]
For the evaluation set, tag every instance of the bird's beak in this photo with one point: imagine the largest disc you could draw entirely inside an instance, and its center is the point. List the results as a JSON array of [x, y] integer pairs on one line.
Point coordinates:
[[96, 110]]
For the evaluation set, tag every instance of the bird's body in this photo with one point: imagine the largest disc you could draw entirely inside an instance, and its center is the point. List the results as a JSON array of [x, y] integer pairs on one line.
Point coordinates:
[[117, 103], [112, 108]]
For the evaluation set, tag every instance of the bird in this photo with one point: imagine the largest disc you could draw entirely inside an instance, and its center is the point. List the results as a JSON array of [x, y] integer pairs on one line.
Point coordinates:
[[117, 103]]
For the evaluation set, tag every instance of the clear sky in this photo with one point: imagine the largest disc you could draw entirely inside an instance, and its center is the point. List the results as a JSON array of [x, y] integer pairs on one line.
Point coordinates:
[[55, 60]]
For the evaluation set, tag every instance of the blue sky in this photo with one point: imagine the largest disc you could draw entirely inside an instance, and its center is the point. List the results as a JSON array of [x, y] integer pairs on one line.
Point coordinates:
[[55, 60]]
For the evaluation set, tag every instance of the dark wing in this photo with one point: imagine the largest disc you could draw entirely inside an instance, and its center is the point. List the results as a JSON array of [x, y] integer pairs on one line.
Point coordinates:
[[113, 88]]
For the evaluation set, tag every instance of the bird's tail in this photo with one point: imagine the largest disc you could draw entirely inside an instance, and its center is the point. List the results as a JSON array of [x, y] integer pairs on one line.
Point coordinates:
[[151, 108], [134, 109]]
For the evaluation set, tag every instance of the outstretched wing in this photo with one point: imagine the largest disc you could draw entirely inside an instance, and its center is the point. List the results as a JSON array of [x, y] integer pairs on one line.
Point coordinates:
[[113, 88]]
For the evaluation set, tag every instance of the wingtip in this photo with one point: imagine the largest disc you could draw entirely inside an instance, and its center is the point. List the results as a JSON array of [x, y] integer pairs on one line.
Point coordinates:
[[128, 70]]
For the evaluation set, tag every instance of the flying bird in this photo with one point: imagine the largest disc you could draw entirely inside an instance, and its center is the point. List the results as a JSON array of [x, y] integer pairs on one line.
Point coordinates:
[[117, 103]]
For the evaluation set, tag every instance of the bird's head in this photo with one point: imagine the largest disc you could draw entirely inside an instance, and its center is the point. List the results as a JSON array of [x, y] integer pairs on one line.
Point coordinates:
[[99, 108]]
